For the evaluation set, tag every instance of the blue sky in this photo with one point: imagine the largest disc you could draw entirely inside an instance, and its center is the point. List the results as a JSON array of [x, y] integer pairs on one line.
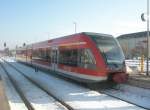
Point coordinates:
[[37, 20]]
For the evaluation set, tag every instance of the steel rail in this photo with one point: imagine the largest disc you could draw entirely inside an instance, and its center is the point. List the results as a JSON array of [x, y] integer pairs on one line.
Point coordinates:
[[14, 83], [96, 88], [45, 90]]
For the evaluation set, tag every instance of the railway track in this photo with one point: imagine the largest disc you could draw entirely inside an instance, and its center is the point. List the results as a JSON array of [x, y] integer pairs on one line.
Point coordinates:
[[14, 83], [139, 83], [124, 92], [63, 105], [113, 91], [140, 100], [100, 91]]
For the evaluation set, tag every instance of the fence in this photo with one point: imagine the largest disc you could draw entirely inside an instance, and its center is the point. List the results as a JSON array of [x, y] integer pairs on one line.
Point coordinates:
[[137, 64]]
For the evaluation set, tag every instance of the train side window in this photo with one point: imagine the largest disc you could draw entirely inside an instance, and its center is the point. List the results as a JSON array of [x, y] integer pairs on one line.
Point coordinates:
[[86, 59], [54, 55], [68, 57], [48, 55], [35, 54], [41, 55]]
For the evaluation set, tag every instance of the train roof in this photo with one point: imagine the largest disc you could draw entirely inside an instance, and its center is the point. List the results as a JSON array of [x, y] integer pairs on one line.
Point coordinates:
[[90, 34], [85, 33]]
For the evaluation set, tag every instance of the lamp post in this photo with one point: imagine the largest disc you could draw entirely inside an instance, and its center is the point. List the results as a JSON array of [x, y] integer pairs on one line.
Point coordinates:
[[147, 73], [75, 27], [143, 19]]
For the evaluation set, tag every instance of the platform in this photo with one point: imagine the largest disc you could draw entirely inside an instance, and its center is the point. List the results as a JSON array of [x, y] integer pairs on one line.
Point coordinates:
[[3, 100], [139, 80]]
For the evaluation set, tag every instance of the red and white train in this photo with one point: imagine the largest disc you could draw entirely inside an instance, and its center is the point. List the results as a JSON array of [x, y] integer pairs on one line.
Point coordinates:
[[86, 56]]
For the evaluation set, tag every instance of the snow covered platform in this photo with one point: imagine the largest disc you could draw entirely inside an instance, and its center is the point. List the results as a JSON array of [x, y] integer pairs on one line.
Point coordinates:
[[139, 80], [3, 100], [38, 99], [14, 100]]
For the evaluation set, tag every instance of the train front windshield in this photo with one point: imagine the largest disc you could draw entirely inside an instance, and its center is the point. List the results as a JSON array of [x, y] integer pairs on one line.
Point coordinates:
[[110, 49]]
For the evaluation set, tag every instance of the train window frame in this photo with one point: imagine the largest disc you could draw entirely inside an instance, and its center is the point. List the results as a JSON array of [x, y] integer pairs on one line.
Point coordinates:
[[48, 55], [91, 64], [70, 59], [42, 54]]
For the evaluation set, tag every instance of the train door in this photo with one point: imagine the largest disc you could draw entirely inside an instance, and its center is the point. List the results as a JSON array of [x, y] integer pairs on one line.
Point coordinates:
[[54, 58]]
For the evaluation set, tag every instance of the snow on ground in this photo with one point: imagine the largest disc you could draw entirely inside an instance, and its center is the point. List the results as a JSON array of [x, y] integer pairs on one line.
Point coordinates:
[[38, 98], [14, 100], [132, 94], [135, 65], [78, 97]]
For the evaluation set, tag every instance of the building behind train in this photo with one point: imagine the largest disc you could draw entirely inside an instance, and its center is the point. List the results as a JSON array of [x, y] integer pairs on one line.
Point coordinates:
[[134, 45]]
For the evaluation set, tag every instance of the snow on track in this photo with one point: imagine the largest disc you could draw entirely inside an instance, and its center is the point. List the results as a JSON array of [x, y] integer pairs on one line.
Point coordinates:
[[14, 100], [38, 98], [76, 96], [136, 95]]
